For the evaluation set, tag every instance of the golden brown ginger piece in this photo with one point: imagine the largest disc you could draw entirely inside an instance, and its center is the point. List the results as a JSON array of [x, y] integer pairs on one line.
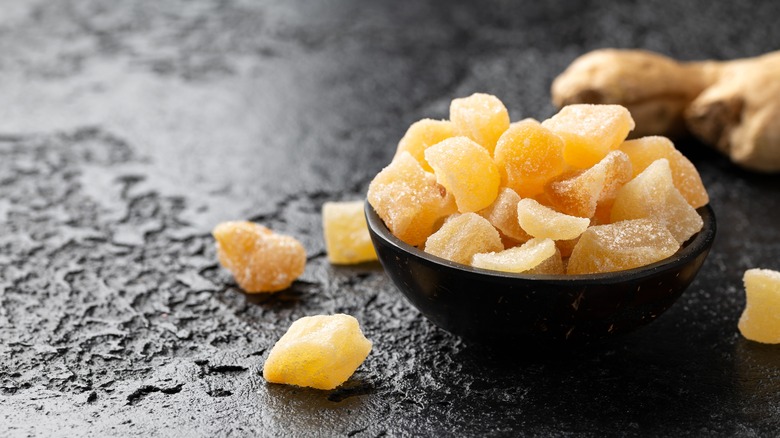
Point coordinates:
[[732, 105]]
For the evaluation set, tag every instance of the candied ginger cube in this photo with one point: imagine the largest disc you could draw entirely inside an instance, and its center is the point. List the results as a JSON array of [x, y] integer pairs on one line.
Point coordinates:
[[589, 132], [466, 170], [644, 151], [621, 245], [579, 193], [480, 117], [259, 259], [463, 236], [528, 155], [760, 321], [502, 214], [518, 259], [422, 135], [540, 221], [652, 194], [409, 200], [319, 352], [346, 233]]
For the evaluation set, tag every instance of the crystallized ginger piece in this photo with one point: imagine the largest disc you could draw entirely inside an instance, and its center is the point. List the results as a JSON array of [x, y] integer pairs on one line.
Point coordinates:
[[409, 200], [480, 117], [519, 259], [644, 151], [621, 245], [346, 233], [259, 259], [579, 193], [589, 132], [462, 237], [502, 214], [466, 170], [319, 352], [553, 265], [760, 321], [422, 135], [528, 155], [544, 222], [652, 195]]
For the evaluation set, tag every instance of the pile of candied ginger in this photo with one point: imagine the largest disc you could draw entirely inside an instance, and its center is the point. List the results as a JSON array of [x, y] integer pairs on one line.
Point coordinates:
[[569, 195]]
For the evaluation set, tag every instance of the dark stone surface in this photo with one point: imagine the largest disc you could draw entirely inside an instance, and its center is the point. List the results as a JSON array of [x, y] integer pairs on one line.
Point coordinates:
[[130, 128]]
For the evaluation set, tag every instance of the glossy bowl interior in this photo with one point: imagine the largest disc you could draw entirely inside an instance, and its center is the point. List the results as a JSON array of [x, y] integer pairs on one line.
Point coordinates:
[[490, 307]]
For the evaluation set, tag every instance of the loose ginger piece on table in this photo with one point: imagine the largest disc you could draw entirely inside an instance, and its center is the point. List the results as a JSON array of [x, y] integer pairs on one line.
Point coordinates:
[[733, 106]]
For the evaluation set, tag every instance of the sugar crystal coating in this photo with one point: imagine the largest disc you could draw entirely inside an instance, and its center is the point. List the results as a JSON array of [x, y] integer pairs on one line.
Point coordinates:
[[462, 237], [527, 156], [346, 233], [579, 193], [502, 214], [760, 321], [259, 259], [621, 245], [409, 200], [466, 170], [480, 117], [589, 132], [652, 194], [518, 259], [644, 151], [540, 221], [319, 352], [422, 135], [552, 265]]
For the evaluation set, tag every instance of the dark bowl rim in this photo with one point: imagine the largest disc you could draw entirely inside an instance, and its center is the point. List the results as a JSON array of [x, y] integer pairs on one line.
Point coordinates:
[[692, 248]]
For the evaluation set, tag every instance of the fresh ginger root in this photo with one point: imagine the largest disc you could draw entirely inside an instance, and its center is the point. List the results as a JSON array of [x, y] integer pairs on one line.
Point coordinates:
[[732, 105]]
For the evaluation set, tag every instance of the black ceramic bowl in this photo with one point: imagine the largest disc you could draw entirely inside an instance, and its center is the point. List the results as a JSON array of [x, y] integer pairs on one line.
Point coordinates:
[[489, 307]]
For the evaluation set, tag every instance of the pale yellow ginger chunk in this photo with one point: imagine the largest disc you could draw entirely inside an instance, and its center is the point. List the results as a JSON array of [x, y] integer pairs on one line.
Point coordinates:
[[518, 259], [422, 135], [259, 259], [467, 171], [319, 352], [553, 265], [544, 222], [463, 236], [760, 321], [409, 200], [652, 195], [480, 117], [589, 132], [622, 245], [502, 214], [644, 151], [346, 233]]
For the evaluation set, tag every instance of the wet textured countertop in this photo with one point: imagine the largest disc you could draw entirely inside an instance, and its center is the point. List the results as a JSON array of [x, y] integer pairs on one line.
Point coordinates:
[[127, 130]]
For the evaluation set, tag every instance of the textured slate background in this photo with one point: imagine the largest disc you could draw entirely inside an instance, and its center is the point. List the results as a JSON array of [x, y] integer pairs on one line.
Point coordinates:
[[129, 129]]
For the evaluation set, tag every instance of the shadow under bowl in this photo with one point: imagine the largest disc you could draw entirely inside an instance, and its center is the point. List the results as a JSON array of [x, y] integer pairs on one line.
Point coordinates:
[[491, 307]]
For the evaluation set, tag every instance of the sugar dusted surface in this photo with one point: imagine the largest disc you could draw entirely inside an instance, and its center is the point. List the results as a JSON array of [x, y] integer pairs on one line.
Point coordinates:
[[652, 194], [259, 259], [528, 155], [421, 135], [462, 237], [518, 259], [347, 240], [408, 199], [760, 320], [540, 221], [320, 352], [480, 117], [644, 151], [622, 245], [467, 171], [502, 214]]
